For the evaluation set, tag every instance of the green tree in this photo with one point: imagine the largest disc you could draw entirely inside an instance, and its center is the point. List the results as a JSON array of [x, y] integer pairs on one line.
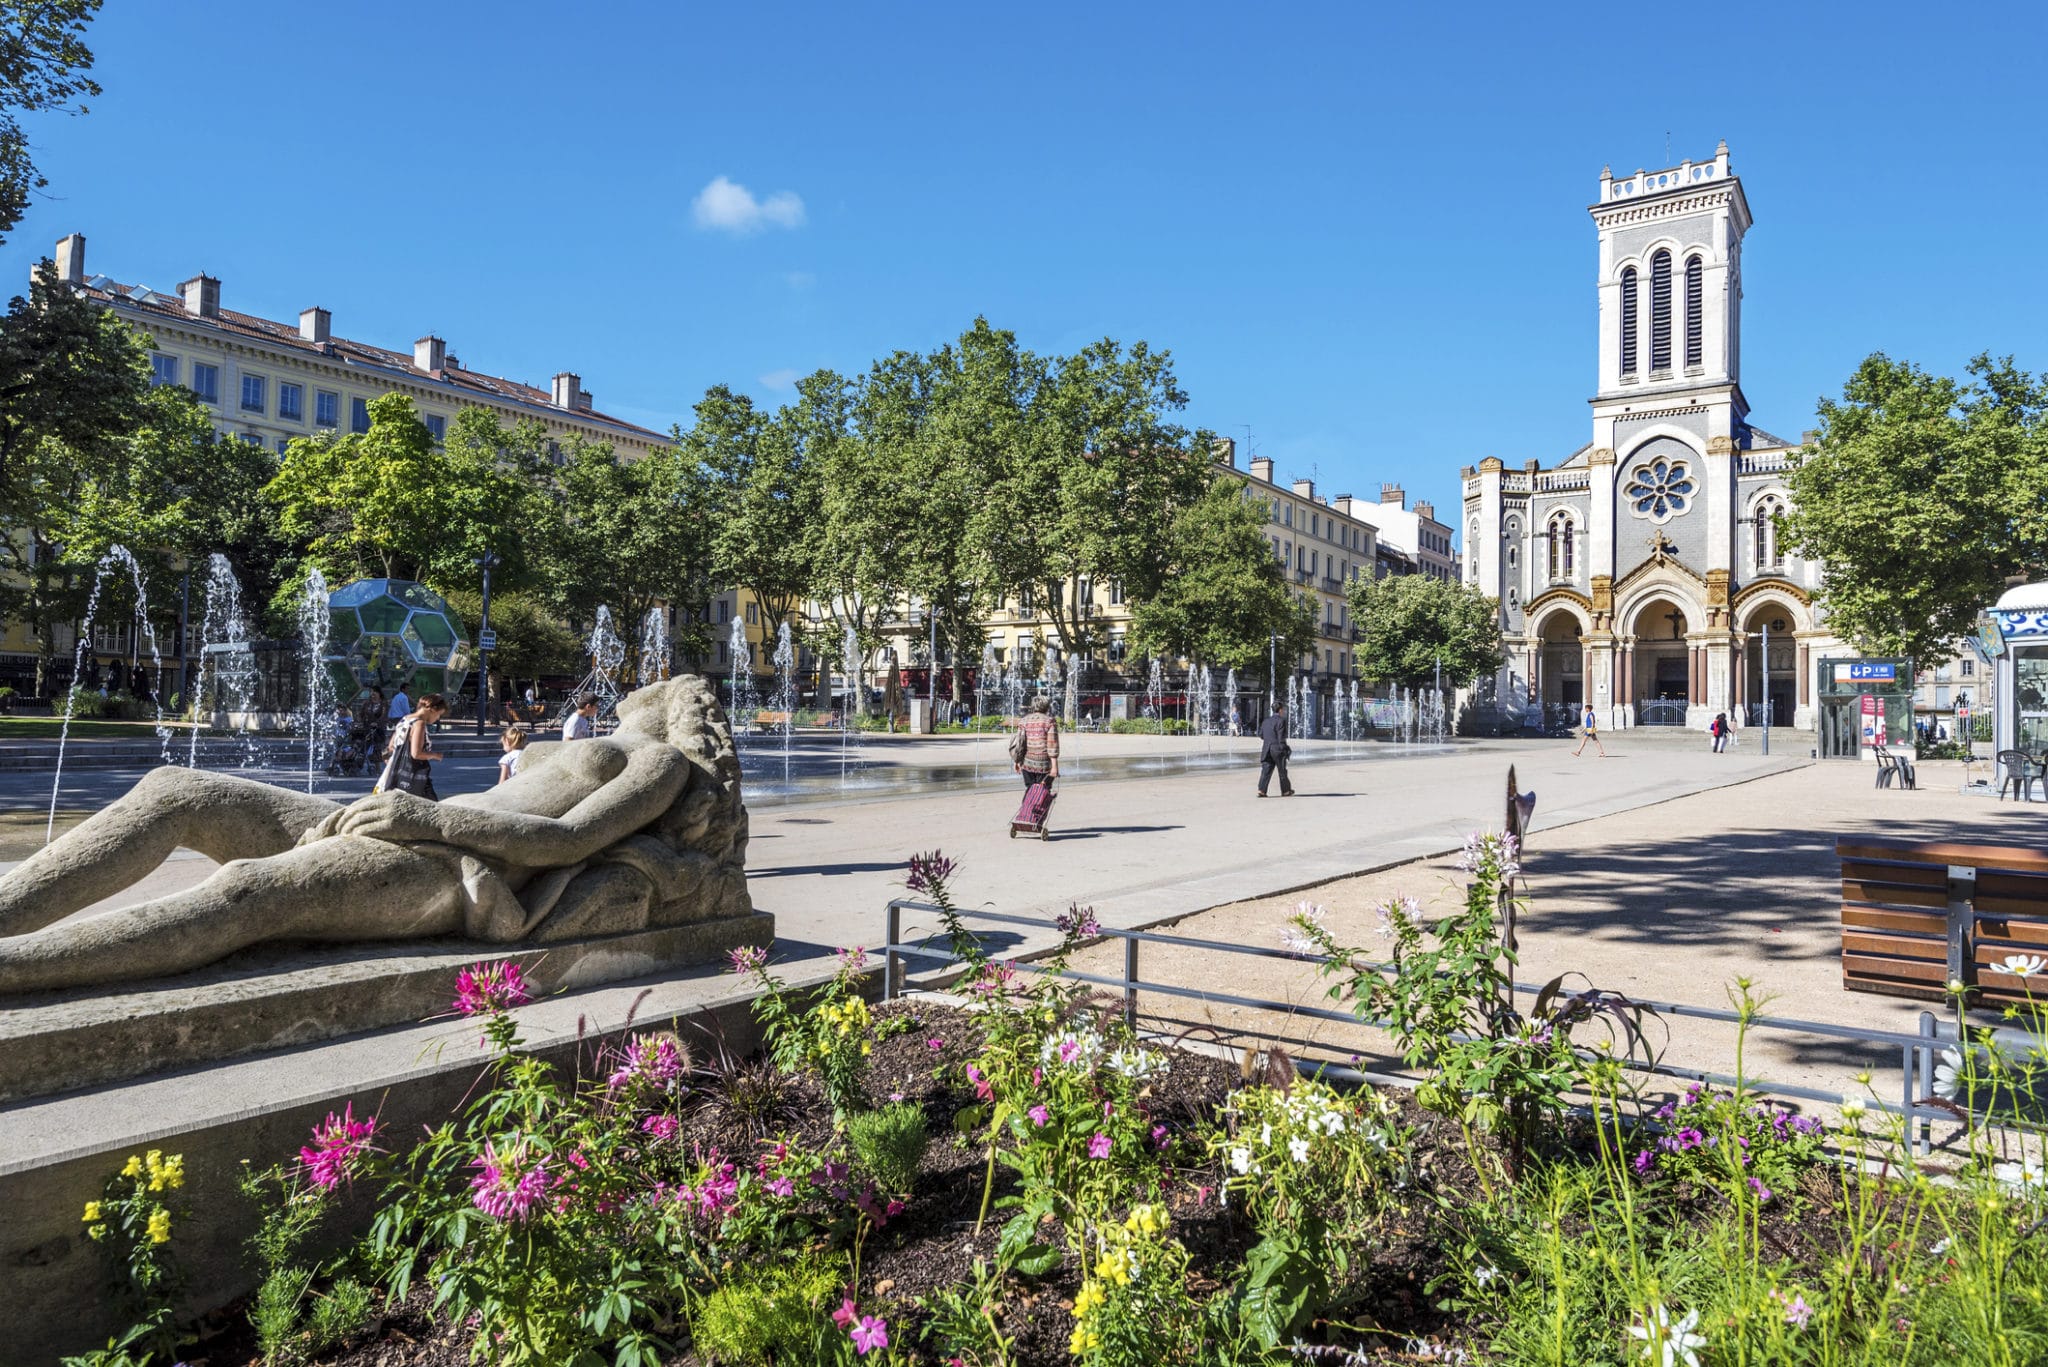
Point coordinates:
[[1223, 596], [532, 638], [1921, 496], [376, 504], [43, 61], [1409, 623], [761, 499], [496, 500], [629, 535], [74, 395], [849, 428]]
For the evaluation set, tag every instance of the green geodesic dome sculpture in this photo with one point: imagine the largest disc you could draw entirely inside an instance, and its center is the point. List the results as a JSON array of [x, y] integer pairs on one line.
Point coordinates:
[[394, 633]]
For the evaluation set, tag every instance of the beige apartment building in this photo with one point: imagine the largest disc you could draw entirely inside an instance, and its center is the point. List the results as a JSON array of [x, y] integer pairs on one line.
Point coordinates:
[[267, 381]]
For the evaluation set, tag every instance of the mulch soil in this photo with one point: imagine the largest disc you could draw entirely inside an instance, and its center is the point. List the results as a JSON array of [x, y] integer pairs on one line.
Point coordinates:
[[934, 1244]]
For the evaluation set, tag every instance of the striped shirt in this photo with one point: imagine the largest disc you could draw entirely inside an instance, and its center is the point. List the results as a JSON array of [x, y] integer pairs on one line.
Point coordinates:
[[1041, 742]]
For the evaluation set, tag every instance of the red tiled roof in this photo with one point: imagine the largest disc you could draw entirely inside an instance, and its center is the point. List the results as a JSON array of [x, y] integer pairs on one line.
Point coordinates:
[[146, 301]]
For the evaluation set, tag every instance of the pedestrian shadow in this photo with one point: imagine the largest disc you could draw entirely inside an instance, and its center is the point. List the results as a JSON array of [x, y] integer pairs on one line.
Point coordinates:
[[799, 870], [1091, 832]]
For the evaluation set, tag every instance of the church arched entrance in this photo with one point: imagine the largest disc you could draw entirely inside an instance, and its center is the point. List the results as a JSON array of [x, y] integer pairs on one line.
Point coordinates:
[[1660, 664], [1770, 677], [1563, 677]]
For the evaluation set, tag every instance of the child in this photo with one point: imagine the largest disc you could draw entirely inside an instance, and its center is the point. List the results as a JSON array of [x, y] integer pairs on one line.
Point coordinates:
[[344, 723], [515, 744]]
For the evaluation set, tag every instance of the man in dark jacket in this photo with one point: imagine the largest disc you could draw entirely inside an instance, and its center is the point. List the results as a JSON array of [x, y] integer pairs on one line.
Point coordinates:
[[1273, 751]]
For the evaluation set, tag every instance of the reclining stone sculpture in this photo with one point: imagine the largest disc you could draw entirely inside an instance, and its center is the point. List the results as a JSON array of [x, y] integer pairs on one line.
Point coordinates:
[[639, 830]]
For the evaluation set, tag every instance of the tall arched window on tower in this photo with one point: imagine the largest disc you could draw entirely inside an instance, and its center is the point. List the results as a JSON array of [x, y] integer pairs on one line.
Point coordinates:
[[1513, 536], [1562, 549], [1769, 556], [1628, 321], [1660, 312], [1695, 292]]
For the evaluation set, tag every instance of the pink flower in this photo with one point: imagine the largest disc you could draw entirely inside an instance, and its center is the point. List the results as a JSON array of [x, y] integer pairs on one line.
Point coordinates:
[[335, 1146], [935, 1044], [578, 1161], [847, 1315], [781, 1186], [928, 873], [871, 1333], [983, 1088], [505, 1188], [748, 959], [652, 1059], [1069, 1050], [662, 1127], [853, 960], [1159, 1137], [490, 988], [1099, 1146], [1039, 1115]]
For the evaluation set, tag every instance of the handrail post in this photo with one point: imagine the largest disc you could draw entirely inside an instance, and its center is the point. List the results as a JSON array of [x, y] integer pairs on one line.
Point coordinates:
[[1918, 1126], [892, 930], [1131, 982]]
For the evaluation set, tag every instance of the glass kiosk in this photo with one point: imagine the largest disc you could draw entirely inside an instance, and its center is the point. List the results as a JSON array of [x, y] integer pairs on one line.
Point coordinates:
[[1865, 704], [2020, 707]]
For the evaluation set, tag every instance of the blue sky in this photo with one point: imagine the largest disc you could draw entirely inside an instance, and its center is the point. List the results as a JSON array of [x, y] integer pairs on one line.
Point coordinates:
[[1361, 231]]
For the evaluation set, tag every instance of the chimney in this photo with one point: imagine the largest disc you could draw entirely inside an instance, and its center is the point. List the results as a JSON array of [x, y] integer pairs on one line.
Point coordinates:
[[1425, 510], [567, 389], [583, 401], [1344, 504], [1224, 450], [71, 259], [316, 324], [1394, 494], [429, 353], [1305, 488], [1262, 468], [202, 296]]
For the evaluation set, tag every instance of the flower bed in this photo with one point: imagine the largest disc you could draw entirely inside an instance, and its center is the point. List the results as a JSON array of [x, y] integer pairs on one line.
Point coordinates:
[[1023, 1181]]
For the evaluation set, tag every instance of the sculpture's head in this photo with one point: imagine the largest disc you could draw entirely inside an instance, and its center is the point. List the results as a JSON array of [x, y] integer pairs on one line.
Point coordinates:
[[682, 711]]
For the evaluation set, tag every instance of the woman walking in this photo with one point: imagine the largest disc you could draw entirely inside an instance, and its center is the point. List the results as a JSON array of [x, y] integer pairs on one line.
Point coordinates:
[[1035, 751], [410, 769]]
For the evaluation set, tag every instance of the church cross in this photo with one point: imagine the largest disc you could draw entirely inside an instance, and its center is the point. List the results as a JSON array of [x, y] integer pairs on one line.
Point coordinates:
[[1661, 547], [1674, 617]]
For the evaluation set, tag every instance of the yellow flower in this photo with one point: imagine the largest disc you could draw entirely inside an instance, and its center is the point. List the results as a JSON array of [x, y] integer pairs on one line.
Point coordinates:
[[1113, 1269], [867, 1047], [160, 1227], [134, 1168], [1089, 1299], [1146, 1219], [174, 1171], [92, 1212]]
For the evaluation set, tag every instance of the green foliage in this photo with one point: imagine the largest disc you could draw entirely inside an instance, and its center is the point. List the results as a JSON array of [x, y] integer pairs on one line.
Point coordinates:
[[132, 1223], [830, 1034], [776, 1314], [1145, 726], [1223, 596], [532, 639], [890, 1144], [42, 69], [1409, 623], [1922, 495]]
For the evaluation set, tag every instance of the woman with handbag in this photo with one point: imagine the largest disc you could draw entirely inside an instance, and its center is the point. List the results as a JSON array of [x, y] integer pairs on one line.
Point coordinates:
[[410, 769]]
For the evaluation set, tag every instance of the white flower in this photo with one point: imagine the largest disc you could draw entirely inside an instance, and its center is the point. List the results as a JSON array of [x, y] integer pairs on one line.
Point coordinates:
[[1484, 1273], [1266, 1133], [1938, 1249], [1298, 1149], [2024, 1178], [1333, 1122], [1240, 1160], [1948, 1074], [1669, 1343], [1853, 1109], [1136, 1064], [2023, 965]]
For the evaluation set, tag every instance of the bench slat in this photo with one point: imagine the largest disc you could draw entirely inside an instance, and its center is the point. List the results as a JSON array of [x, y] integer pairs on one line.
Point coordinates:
[[1897, 922], [2013, 930], [2011, 857], [1883, 894], [1900, 946], [1875, 968], [1912, 875]]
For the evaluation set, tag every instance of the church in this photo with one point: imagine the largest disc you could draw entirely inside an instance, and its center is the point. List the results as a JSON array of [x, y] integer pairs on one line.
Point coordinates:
[[1643, 573]]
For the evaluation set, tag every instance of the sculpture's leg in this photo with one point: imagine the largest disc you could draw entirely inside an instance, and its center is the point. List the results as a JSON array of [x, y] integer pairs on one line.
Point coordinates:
[[343, 889], [219, 815]]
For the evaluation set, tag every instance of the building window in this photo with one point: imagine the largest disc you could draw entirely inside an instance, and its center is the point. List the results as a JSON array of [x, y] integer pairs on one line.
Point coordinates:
[[724, 612], [206, 382], [283, 445], [1628, 321], [1116, 592], [437, 428], [1769, 556], [1969, 668], [291, 402], [358, 415], [162, 369], [1660, 489], [753, 613], [254, 439], [1660, 312], [1562, 548], [1695, 290], [326, 408], [1290, 514], [252, 394]]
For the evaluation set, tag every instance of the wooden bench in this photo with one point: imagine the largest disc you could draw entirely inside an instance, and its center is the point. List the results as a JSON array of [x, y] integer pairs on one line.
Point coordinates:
[[1916, 917], [764, 720]]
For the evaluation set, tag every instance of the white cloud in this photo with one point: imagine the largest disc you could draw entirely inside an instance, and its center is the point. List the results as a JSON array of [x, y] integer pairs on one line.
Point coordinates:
[[732, 208], [779, 379]]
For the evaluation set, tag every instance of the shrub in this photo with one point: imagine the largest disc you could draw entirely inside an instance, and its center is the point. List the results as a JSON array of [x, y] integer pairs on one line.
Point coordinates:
[[85, 702], [890, 1144], [776, 1314], [833, 1035], [1147, 726], [132, 1223], [1720, 1137]]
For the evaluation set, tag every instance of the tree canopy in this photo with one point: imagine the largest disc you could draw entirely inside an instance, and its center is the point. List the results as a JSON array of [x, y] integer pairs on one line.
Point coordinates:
[[43, 61], [1408, 623], [1222, 596], [1921, 496]]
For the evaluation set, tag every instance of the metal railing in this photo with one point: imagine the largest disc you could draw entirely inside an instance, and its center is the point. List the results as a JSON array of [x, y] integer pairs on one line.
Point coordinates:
[[1916, 1051]]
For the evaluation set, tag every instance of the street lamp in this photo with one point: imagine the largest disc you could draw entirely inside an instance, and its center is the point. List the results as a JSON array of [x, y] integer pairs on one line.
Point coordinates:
[[486, 562]]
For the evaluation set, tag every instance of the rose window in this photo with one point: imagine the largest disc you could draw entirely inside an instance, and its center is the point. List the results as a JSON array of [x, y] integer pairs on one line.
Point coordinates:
[[1660, 489]]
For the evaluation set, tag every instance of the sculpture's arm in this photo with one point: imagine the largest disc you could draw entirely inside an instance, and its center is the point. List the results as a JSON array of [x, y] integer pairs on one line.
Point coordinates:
[[652, 780]]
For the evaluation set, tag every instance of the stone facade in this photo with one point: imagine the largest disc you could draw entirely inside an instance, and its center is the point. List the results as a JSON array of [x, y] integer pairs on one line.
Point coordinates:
[[1642, 574]]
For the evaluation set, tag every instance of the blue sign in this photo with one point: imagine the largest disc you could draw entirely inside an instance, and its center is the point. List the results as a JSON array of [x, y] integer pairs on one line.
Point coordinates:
[[2021, 623], [1873, 672]]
